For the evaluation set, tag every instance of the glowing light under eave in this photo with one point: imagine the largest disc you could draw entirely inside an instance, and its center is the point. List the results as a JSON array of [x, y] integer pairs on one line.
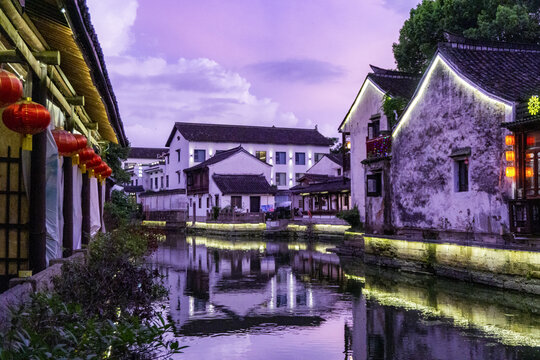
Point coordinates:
[[358, 97], [424, 83]]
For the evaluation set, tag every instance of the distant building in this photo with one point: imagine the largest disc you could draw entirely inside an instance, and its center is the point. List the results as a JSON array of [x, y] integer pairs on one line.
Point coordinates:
[[231, 178], [290, 152]]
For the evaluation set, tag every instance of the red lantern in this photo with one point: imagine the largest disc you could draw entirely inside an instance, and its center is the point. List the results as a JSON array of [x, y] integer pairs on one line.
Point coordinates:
[[101, 168], [82, 142], [28, 118], [94, 163], [86, 155], [65, 141], [107, 172], [11, 88]]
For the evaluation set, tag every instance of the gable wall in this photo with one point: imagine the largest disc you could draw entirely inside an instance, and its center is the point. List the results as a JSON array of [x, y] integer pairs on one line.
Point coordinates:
[[447, 116], [325, 166]]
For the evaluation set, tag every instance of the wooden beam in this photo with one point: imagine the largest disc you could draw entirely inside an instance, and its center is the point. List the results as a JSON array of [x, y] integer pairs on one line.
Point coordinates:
[[46, 57], [76, 100]]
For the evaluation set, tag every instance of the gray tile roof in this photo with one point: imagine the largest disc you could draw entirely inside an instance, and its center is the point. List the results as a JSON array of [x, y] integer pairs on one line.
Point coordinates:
[[508, 71], [241, 134], [146, 153], [332, 184], [243, 184], [395, 83], [220, 156]]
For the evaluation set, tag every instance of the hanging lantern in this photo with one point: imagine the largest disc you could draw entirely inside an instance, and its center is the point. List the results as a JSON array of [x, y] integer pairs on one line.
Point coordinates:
[[510, 171], [85, 155], [529, 172], [510, 156], [28, 118], [101, 168], [92, 164], [65, 141], [107, 172], [82, 142], [510, 140], [11, 88], [531, 141]]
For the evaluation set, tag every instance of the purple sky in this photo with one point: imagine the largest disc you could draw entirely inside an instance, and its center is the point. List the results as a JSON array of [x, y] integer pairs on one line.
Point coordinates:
[[292, 63]]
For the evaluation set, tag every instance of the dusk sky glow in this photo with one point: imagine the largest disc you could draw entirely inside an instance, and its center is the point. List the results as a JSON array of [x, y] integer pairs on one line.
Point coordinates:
[[287, 63]]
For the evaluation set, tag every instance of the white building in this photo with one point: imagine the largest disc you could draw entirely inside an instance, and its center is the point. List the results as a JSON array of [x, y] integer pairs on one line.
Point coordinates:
[[231, 178], [290, 152], [146, 167]]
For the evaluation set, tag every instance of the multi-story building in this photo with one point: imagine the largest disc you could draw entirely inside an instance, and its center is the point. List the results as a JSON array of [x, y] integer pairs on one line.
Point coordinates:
[[145, 167], [291, 152]]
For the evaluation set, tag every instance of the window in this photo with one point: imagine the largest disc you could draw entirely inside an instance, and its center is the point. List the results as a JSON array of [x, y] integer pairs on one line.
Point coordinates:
[[374, 185], [462, 175], [281, 179], [347, 200], [151, 182], [199, 155], [532, 165], [338, 172], [136, 182], [179, 176], [131, 182], [167, 158], [156, 182], [190, 179], [162, 182], [374, 128], [261, 155], [297, 176], [300, 158], [208, 201], [318, 156], [281, 157], [167, 180], [236, 202], [200, 202], [178, 154]]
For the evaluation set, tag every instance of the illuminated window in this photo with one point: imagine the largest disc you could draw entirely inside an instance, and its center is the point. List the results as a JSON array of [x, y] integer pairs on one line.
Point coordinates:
[[281, 157], [300, 158], [199, 155], [261, 155]]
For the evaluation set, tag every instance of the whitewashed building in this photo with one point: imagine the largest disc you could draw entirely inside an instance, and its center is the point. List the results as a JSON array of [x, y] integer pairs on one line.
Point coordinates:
[[231, 178], [290, 152]]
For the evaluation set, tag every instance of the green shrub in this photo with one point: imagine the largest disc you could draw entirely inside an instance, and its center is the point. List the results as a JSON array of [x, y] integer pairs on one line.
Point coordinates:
[[215, 212], [352, 217], [120, 211]]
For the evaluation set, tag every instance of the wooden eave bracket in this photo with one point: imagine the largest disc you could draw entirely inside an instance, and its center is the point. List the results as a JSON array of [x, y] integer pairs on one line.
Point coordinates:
[[49, 57]]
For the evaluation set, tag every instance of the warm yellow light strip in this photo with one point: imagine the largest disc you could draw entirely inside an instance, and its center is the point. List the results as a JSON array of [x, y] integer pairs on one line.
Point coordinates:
[[425, 82], [366, 83], [154, 223]]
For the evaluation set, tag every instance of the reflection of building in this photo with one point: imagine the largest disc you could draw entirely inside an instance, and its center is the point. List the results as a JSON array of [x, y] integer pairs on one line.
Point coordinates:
[[222, 285]]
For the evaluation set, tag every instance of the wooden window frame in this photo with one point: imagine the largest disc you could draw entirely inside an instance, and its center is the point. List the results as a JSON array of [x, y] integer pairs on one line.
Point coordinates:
[[377, 177]]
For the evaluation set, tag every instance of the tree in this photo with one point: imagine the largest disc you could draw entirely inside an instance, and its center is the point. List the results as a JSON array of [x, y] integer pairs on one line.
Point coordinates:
[[500, 20], [114, 154]]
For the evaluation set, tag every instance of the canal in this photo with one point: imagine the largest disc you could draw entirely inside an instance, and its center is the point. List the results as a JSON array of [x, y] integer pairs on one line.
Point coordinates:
[[258, 299]]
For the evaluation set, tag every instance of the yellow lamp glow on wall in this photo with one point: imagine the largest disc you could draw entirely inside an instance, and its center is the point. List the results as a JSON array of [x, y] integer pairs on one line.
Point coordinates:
[[529, 172], [510, 156], [510, 171], [510, 140], [348, 145]]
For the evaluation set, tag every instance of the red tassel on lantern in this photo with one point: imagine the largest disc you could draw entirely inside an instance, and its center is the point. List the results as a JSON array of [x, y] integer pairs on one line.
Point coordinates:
[[28, 118], [11, 88], [65, 141]]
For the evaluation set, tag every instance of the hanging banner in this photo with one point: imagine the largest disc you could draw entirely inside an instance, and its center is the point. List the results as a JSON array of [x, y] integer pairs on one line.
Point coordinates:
[[77, 208], [95, 217]]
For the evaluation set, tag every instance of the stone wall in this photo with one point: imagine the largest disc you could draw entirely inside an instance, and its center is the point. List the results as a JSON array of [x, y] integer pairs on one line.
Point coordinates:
[[449, 115]]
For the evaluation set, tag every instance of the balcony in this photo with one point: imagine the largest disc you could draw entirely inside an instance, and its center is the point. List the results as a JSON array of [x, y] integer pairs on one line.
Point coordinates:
[[379, 147]]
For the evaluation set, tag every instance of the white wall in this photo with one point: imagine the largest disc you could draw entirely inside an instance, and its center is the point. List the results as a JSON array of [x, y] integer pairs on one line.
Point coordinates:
[[367, 104], [325, 166]]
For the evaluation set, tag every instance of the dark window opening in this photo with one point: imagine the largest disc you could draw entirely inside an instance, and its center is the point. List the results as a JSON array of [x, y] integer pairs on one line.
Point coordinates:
[[281, 157], [462, 175], [199, 155], [374, 129], [374, 185], [178, 154], [236, 202], [300, 158], [200, 202]]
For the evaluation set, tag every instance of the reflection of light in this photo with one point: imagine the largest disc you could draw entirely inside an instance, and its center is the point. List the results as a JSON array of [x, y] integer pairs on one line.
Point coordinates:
[[310, 297], [191, 306], [291, 286], [211, 309], [355, 278], [272, 304], [229, 245]]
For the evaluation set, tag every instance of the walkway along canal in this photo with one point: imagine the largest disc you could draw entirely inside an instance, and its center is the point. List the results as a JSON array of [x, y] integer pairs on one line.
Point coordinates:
[[282, 299]]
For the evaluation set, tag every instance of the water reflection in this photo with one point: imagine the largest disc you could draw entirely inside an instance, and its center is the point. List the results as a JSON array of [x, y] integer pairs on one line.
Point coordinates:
[[280, 299]]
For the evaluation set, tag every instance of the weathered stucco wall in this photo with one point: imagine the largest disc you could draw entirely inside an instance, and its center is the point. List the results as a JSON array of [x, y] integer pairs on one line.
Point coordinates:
[[449, 115], [368, 103]]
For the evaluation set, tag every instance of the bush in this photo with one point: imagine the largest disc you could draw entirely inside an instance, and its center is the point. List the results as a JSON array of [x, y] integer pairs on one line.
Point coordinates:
[[215, 212], [120, 211], [352, 217]]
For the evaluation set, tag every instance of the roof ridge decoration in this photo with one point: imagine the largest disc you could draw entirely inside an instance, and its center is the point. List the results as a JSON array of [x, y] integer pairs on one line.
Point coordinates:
[[460, 42], [392, 73]]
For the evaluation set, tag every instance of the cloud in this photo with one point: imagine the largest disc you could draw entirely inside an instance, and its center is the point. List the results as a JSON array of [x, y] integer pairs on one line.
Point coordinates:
[[153, 94], [113, 22], [401, 6], [298, 70]]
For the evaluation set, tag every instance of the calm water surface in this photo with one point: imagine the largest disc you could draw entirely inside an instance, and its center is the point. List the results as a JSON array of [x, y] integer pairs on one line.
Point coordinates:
[[257, 299]]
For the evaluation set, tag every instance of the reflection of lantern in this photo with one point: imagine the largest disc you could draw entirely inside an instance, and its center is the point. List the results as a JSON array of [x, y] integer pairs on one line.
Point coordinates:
[[529, 172], [28, 118], [510, 156], [65, 141], [11, 88], [531, 141], [85, 155], [510, 171], [510, 140]]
